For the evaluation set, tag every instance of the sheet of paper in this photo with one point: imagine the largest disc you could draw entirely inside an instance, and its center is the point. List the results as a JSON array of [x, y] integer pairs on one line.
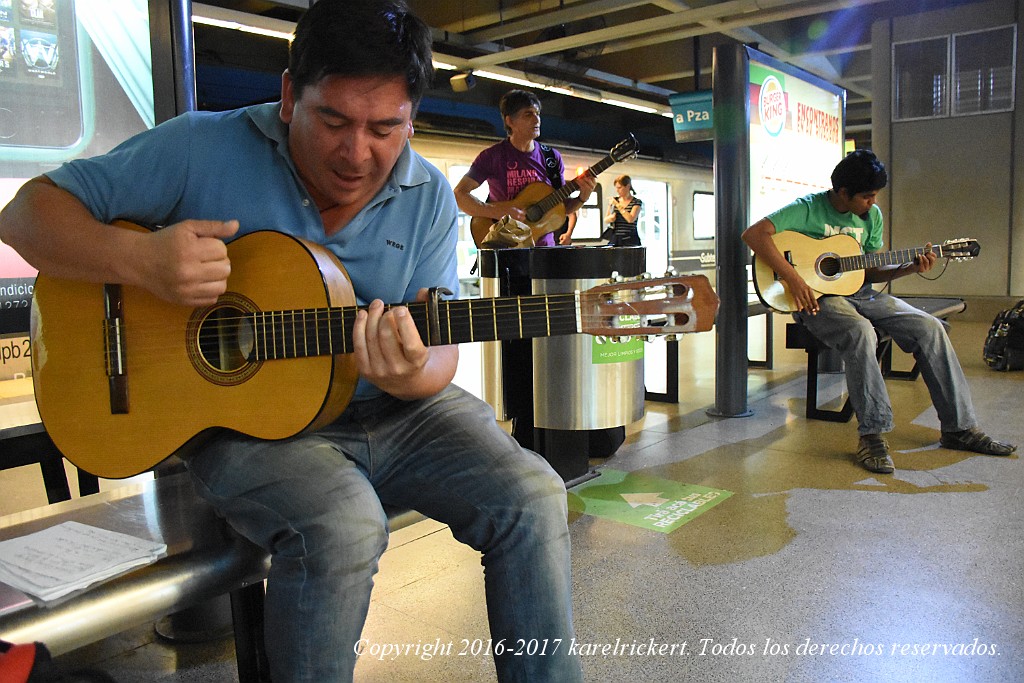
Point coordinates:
[[51, 563]]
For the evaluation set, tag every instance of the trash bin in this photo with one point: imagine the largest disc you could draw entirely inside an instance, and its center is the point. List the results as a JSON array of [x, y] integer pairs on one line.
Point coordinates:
[[563, 404], [572, 389], [586, 389]]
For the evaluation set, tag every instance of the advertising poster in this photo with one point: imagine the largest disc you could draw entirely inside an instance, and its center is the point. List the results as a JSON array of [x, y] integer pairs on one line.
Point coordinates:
[[76, 78], [796, 137]]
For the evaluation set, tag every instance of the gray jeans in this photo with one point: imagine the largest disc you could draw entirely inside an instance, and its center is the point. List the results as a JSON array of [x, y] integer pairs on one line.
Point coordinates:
[[315, 503], [846, 324]]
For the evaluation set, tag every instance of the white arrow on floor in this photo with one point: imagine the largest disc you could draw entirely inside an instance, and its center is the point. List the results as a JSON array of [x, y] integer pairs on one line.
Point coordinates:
[[637, 499]]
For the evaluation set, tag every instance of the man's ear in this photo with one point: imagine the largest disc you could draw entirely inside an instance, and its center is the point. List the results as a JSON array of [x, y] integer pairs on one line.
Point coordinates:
[[287, 97], [412, 130]]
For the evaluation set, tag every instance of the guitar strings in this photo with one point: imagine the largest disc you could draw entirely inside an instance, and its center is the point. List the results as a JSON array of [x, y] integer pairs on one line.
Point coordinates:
[[139, 339], [290, 334]]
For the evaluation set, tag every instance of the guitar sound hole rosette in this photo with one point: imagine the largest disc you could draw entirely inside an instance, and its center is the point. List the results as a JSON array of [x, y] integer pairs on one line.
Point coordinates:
[[219, 339], [827, 266]]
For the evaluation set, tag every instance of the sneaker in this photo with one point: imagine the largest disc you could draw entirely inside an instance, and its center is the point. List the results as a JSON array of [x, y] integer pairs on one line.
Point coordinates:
[[976, 441], [874, 454]]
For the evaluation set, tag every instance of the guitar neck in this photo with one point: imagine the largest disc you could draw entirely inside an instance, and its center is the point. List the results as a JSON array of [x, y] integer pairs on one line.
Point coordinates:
[[562, 193], [886, 258], [328, 331]]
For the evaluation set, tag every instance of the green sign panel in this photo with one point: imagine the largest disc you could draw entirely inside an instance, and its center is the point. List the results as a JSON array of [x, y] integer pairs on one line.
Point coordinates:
[[606, 351], [692, 116], [618, 349], [647, 502]]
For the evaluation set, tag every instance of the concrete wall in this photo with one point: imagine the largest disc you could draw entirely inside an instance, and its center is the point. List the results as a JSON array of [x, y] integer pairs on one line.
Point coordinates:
[[957, 176]]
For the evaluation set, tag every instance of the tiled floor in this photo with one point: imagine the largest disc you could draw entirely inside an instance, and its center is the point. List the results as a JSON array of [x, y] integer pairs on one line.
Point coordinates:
[[813, 570]]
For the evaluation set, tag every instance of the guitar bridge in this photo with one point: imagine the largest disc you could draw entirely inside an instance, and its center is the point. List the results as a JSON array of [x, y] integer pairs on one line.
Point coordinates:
[[116, 361], [788, 255]]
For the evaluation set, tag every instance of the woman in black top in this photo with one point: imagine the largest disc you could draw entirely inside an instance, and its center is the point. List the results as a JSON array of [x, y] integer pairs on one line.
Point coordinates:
[[623, 212]]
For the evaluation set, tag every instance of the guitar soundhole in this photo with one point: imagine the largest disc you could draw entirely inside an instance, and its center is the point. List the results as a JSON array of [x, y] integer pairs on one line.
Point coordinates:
[[224, 337], [828, 266], [221, 341]]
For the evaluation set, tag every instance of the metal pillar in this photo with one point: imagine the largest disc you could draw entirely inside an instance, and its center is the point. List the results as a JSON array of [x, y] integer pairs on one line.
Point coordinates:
[[731, 113]]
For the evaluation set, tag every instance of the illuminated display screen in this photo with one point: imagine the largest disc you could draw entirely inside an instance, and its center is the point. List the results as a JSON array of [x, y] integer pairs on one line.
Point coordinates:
[[796, 135], [76, 78]]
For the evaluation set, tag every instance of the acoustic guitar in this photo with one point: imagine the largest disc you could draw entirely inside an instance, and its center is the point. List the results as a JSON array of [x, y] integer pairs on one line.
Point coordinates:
[[836, 264], [544, 205], [123, 378]]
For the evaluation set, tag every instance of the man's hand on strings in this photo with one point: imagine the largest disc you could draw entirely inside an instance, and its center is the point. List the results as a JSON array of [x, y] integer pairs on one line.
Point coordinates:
[[188, 262], [388, 348]]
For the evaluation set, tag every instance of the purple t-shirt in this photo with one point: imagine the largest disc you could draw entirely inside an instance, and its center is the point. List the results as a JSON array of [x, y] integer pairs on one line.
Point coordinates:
[[507, 171]]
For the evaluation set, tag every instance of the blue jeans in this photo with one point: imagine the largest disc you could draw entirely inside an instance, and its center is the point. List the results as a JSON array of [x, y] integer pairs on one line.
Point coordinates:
[[315, 503], [846, 324]]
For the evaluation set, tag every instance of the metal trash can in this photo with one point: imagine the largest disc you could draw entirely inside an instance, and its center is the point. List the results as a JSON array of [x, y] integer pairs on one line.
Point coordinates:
[[573, 390], [563, 405]]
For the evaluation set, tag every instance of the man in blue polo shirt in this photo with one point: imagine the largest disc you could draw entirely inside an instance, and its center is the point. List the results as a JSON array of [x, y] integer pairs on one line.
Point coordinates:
[[330, 163]]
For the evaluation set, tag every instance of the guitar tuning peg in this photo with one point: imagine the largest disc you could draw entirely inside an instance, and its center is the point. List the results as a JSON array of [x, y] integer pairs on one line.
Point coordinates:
[[671, 272], [671, 337], [646, 276], [644, 338], [616, 277]]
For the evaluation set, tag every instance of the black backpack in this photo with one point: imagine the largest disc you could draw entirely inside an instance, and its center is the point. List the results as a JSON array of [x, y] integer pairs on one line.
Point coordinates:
[[1004, 345]]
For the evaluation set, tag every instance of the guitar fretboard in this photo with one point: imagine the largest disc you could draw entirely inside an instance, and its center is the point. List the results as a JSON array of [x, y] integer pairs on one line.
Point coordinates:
[[562, 193], [328, 331], [887, 258]]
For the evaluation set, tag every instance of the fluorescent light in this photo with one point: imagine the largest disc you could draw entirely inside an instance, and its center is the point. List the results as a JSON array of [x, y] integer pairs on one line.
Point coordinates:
[[241, 27], [629, 105], [444, 65], [504, 78], [240, 21]]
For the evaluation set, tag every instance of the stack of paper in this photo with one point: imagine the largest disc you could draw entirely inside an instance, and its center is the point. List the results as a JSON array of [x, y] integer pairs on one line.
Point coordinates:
[[51, 563]]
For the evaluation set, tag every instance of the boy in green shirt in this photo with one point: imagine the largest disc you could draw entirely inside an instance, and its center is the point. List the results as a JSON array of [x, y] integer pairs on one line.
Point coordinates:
[[846, 323]]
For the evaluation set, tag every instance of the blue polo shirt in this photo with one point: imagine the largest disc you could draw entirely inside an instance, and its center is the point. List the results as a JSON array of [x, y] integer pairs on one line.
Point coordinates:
[[235, 165]]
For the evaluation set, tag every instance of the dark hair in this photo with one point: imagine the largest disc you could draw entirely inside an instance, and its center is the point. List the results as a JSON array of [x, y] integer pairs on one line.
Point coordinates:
[[514, 101], [860, 171], [361, 38]]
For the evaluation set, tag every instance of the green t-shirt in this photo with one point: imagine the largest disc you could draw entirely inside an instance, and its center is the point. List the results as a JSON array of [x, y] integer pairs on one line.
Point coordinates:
[[815, 216]]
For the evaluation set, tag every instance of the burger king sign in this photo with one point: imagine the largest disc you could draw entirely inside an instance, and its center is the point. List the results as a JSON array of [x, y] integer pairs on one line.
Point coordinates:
[[771, 105]]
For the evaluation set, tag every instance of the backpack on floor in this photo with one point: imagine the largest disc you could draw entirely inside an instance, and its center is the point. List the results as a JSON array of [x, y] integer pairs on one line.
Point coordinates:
[[1004, 345]]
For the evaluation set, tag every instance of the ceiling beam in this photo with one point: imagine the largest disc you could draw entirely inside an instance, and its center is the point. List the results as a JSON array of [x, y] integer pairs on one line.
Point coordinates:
[[730, 15], [541, 21]]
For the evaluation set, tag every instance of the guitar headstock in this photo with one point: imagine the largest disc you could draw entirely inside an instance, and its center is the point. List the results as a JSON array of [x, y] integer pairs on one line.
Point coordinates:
[[627, 149], [650, 307], [960, 249]]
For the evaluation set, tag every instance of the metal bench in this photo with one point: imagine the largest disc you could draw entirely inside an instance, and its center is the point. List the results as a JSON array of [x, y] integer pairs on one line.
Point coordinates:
[[205, 559], [799, 337]]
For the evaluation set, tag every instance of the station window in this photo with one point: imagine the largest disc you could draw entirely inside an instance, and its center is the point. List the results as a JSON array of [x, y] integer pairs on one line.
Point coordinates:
[[703, 215], [920, 79], [983, 68], [957, 75]]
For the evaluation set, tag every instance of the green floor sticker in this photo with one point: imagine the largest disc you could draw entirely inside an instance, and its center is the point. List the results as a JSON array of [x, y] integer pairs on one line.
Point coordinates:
[[647, 502]]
